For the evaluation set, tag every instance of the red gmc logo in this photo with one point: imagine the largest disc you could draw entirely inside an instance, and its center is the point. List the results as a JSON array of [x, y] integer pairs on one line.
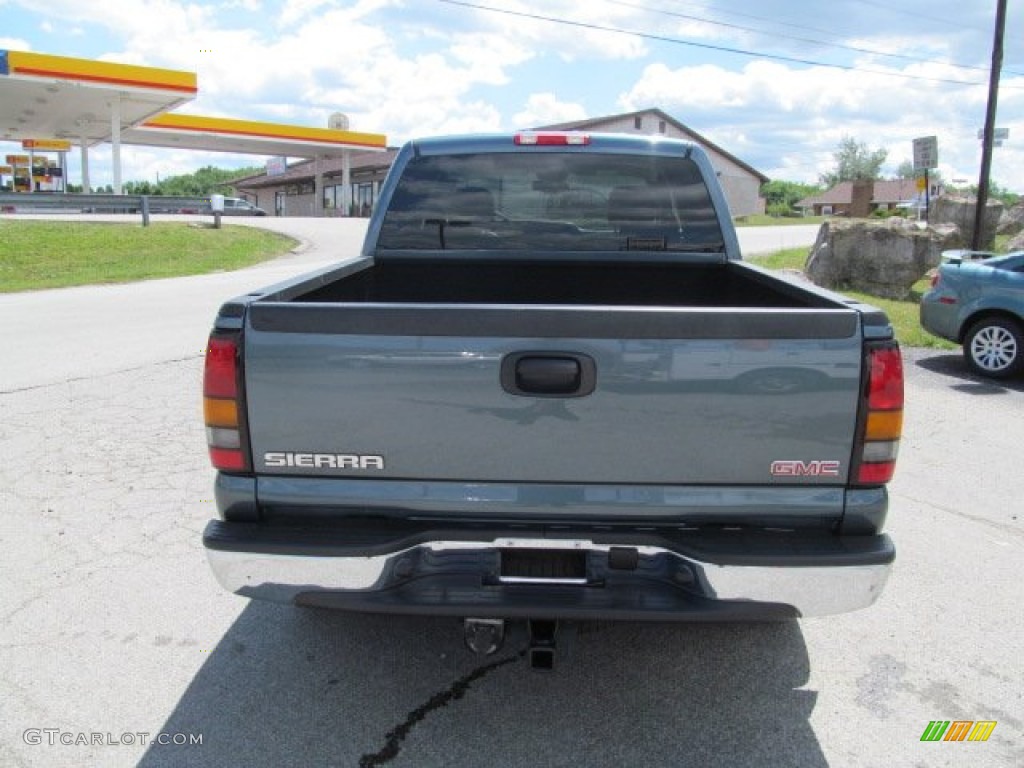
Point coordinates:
[[805, 469]]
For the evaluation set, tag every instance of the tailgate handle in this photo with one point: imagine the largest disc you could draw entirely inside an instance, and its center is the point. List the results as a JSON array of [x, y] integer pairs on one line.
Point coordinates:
[[547, 374]]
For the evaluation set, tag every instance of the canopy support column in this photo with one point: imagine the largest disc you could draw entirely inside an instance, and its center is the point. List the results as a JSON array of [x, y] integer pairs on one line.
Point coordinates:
[[115, 141], [318, 186], [86, 185], [346, 183]]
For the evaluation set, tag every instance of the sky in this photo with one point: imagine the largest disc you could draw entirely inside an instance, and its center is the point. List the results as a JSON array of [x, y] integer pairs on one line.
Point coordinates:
[[776, 83]]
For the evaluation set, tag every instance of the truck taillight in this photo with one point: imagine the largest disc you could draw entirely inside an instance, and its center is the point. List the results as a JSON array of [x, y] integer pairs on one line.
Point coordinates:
[[222, 410], [879, 439]]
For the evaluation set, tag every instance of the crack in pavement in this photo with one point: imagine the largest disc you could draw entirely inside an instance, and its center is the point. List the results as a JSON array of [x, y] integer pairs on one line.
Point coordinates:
[[94, 376], [101, 475], [1003, 527], [458, 689]]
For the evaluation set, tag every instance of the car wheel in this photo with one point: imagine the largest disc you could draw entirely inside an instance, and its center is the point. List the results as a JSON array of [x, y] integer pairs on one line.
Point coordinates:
[[994, 346]]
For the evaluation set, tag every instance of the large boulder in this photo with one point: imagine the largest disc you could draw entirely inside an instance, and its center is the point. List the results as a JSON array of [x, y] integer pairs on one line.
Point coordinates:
[[959, 211], [1012, 221], [881, 258]]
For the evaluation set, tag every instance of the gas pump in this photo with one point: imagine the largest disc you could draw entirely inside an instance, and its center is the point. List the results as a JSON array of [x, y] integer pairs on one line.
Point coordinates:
[[20, 172], [46, 173]]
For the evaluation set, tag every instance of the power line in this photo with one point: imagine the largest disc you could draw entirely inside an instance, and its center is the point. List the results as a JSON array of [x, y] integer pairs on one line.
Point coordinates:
[[916, 16], [813, 41], [771, 19], [893, 8], [705, 46]]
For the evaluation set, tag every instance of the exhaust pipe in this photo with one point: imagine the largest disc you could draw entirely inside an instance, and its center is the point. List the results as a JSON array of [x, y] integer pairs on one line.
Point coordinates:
[[484, 636]]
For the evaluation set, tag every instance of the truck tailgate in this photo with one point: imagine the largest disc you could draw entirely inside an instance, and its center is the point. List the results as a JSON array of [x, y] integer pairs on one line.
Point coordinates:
[[553, 394]]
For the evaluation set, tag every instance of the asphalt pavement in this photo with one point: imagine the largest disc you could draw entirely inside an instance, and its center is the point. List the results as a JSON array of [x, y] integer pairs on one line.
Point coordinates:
[[114, 634]]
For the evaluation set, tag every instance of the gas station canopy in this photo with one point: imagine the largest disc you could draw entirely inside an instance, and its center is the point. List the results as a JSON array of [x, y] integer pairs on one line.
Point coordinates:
[[222, 134], [92, 102], [57, 97]]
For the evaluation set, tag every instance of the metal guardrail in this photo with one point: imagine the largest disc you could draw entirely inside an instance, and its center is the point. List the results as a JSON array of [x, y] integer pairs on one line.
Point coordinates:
[[33, 202]]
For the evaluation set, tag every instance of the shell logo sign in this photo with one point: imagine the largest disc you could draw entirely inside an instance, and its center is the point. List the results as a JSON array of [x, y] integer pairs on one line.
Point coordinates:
[[46, 145]]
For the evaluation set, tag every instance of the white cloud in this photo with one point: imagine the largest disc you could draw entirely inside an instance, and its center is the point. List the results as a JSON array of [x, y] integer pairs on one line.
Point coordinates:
[[546, 109], [14, 44], [583, 34], [425, 95], [787, 122], [297, 10], [488, 56], [375, 76]]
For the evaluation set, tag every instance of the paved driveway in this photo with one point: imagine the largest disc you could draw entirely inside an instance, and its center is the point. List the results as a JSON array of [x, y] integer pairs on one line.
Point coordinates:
[[113, 631]]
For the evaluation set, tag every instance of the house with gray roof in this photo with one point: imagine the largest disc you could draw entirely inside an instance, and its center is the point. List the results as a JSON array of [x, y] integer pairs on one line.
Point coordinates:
[[884, 196]]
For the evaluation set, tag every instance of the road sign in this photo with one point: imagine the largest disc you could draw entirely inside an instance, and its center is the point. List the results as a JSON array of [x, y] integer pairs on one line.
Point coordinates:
[[999, 134], [926, 153]]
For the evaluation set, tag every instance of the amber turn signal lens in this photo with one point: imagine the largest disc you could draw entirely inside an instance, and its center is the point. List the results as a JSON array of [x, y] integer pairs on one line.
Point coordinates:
[[220, 413], [884, 425]]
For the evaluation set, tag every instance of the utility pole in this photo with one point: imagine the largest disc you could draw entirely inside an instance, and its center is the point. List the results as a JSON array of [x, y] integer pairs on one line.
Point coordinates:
[[990, 125]]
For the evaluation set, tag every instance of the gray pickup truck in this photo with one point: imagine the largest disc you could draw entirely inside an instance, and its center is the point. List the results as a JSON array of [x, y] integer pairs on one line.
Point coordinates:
[[552, 390]]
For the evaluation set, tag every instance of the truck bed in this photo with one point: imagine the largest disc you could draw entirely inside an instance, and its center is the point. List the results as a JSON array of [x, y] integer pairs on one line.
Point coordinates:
[[423, 281]]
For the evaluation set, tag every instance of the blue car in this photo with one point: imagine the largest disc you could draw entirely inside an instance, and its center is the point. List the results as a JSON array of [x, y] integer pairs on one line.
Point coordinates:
[[980, 304]]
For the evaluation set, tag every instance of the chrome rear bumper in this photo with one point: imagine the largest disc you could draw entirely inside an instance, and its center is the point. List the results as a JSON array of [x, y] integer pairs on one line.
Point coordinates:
[[664, 578]]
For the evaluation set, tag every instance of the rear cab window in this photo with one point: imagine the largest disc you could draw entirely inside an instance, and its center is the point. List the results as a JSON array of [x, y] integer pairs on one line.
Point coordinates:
[[551, 202]]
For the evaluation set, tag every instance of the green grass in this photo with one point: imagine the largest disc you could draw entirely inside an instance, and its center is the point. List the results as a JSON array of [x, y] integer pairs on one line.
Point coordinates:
[[902, 314], [57, 254], [1002, 243], [791, 258], [763, 220], [904, 318]]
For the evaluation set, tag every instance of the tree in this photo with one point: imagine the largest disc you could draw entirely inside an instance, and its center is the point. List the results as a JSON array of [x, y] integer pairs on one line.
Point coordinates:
[[995, 192], [906, 171], [203, 182], [781, 197], [138, 188], [854, 162]]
